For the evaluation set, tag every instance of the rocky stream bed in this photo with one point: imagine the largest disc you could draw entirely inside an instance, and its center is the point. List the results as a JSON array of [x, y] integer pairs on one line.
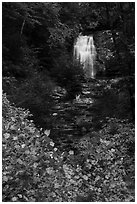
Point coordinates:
[[73, 119]]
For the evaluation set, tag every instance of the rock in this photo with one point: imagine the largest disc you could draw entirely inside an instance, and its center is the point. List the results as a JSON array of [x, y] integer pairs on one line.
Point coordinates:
[[54, 114]]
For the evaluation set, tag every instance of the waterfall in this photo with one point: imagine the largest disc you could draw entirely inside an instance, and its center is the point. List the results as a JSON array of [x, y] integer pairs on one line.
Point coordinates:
[[85, 53]]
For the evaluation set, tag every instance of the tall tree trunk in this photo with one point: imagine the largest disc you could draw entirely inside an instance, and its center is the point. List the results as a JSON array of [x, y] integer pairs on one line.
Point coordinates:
[[22, 27]]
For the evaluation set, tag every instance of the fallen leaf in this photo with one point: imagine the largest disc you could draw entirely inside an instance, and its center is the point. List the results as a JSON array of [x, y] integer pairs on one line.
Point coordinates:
[[15, 138], [35, 165], [5, 178], [56, 185], [52, 144], [47, 132], [14, 199], [71, 152], [85, 177], [6, 135], [19, 161]]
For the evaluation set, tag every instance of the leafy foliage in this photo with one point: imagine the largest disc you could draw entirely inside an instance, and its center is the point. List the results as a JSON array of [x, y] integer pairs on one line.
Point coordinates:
[[34, 93], [30, 160], [115, 98], [109, 155], [35, 170]]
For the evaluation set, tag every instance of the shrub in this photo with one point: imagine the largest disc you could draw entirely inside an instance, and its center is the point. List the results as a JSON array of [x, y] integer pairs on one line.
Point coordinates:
[[34, 94], [68, 75]]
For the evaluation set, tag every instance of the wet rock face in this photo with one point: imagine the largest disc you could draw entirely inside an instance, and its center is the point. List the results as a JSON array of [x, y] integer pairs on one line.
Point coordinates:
[[73, 119]]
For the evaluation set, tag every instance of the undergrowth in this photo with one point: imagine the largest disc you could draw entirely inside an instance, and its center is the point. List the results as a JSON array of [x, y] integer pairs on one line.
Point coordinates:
[[35, 170]]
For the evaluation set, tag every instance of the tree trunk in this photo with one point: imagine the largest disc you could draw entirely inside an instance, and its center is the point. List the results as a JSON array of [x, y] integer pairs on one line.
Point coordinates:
[[21, 31]]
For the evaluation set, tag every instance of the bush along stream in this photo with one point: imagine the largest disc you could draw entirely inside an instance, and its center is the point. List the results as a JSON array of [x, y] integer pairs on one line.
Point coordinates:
[[85, 157]]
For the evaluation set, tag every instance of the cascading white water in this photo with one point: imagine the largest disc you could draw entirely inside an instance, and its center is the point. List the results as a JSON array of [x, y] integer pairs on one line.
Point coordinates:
[[85, 53]]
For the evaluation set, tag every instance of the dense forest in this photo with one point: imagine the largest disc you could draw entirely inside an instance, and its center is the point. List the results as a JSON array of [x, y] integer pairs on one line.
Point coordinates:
[[67, 137]]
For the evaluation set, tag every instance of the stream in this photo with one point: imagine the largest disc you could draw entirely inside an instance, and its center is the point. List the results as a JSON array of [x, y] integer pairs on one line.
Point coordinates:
[[75, 119]]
